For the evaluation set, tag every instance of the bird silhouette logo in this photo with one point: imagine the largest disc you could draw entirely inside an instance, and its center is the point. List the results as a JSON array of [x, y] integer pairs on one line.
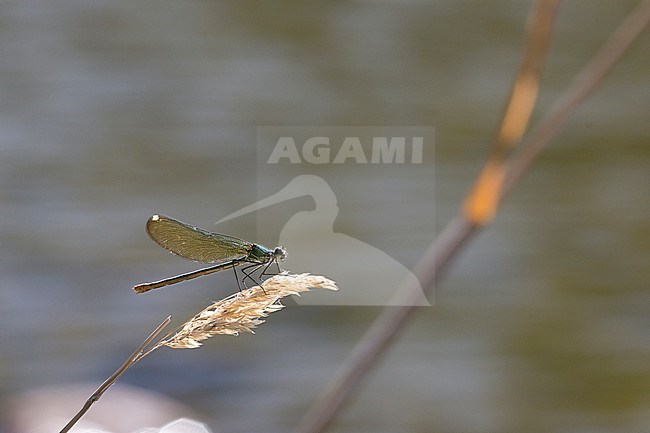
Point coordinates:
[[366, 274]]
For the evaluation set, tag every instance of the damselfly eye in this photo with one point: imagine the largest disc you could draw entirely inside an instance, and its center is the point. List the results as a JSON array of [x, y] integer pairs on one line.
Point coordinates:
[[280, 253]]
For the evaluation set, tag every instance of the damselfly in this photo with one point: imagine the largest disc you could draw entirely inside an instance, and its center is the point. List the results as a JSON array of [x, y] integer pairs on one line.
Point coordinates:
[[200, 245]]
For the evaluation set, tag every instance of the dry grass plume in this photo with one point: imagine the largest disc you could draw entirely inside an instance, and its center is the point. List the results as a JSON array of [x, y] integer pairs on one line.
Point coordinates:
[[243, 311]]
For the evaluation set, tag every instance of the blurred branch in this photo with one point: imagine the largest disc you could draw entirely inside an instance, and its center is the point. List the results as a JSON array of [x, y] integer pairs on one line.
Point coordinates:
[[436, 260], [482, 202], [579, 89]]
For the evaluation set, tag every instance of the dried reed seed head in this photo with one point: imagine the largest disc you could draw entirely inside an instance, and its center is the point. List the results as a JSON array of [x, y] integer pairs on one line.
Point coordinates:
[[244, 311]]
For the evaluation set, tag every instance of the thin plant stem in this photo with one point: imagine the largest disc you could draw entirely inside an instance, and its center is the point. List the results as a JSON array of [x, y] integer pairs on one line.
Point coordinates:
[[136, 356]]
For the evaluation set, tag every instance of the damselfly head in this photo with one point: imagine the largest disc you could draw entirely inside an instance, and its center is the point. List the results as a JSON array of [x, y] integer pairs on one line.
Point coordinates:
[[279, 253]]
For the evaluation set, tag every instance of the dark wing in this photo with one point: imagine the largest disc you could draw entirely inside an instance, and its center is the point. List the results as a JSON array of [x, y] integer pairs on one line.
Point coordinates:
[[194, 243]]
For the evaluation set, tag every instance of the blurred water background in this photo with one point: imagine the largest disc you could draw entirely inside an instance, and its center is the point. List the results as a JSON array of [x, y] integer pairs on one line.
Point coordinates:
[[113, 111]]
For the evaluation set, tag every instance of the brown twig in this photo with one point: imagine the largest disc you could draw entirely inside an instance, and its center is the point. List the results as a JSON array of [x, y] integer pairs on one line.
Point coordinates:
[[482, 202], [579, 89], [449, 243]]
